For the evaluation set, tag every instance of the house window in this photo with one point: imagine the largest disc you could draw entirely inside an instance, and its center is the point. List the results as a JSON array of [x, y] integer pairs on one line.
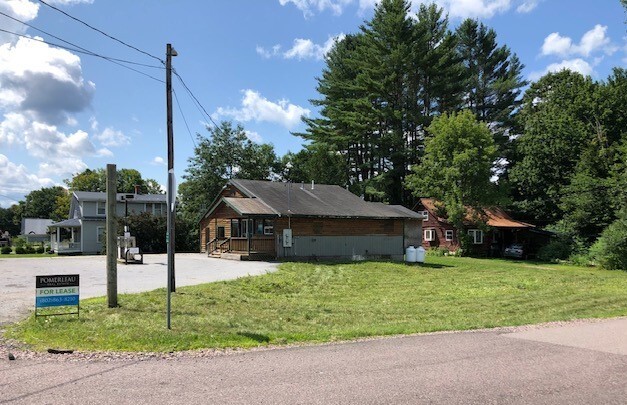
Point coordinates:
[[101, 208], [430, 235], [425, 215], [155, 209], [476, 235], [100, 231], [258, 226], [235, 228], [268, 227], [448, 235], [221, 232], [158, 209]]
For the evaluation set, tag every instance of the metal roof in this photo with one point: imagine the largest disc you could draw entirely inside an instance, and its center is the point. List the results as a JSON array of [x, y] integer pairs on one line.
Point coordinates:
[[98, 196], [496, 217], [249, 206], [321, 200], [68, 223]]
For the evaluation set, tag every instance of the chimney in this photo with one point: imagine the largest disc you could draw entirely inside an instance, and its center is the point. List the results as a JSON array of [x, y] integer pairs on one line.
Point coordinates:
[[136, 188], [302, 185], [312, 184]]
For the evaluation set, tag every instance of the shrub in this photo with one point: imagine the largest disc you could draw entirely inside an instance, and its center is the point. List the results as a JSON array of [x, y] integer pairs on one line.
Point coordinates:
[[437, 251], [40, 249], [5, 250], [557, 249], [20, 250], [19, 242], [610, 250], [580, 259], [29, 249]]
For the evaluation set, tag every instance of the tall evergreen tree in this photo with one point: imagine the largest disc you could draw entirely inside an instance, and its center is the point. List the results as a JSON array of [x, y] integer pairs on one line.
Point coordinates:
[[494, 80]]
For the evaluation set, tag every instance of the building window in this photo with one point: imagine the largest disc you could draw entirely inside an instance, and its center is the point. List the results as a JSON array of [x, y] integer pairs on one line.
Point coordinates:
[[425, 215], [235, 228], [476, 235], [430, 235], [154, 208], [101, 208], [100, 231], [448, 235], [221, 232]]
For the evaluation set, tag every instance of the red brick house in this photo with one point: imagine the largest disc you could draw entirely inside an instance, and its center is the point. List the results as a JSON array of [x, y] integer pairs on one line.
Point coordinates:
[[262, 219], [502, 231]]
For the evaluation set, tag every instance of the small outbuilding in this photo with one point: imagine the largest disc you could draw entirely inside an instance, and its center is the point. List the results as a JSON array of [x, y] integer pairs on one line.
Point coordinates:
[[252, 219]]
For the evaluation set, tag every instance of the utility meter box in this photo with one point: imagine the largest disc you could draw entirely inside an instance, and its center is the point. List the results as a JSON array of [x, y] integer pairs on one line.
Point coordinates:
[[287, 238]]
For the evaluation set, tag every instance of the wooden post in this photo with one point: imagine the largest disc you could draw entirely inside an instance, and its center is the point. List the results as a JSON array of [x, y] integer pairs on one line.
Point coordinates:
[[112, 264]]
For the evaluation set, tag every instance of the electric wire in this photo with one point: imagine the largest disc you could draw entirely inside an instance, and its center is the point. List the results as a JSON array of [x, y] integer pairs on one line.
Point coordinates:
[[184, 119], [196, 101], [86, 52], [101, 32], [77, 46]]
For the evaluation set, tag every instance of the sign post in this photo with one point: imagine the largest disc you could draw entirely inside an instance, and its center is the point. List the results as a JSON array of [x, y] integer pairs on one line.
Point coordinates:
[[57, 291]]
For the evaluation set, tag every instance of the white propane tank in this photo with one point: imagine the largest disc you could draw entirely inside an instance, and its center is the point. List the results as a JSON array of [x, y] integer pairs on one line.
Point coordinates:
[[420, 254], [410, 254]]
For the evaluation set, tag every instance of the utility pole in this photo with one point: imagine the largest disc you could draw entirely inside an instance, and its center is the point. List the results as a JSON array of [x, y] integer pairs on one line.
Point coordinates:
[[171, 194], [111, 231]]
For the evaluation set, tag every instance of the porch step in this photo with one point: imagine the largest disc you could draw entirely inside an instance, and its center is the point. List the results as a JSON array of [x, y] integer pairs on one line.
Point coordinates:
[[231, 256]]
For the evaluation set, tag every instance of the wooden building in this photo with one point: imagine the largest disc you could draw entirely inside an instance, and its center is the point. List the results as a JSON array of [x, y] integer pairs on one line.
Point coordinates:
[[502, 231], [261, 219]]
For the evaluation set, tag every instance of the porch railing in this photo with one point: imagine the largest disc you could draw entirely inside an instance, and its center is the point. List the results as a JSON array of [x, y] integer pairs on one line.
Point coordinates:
[[66, 247]]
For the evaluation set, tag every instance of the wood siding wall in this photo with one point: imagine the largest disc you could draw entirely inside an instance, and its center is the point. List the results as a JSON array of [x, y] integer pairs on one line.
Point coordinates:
[[340, 226]]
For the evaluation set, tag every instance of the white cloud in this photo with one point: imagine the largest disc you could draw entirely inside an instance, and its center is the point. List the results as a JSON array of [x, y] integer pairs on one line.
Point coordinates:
[[268, 53], [44, 81], [527, 6], [158, 160], [254, 136], [112, 137], [576, 65], [306, 49], [23, 10], [309, 6], [16, 180], [302, 49], [455, 8], [258, 108], [595, 40]]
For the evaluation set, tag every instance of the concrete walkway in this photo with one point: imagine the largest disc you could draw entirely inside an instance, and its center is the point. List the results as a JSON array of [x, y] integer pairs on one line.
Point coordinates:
[[17, 276]]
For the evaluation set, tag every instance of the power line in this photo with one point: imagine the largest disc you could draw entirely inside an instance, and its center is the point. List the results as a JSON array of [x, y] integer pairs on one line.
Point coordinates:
[[184, 119], [77, 46], [85, 52], [198, 103], [101, 32]]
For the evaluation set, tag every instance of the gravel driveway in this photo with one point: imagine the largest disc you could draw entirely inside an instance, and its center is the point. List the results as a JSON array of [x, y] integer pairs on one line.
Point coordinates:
[[17, 276]]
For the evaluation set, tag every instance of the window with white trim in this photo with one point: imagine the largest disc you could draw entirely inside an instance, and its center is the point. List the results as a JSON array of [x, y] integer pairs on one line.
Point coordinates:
[[100, 231], [425, 215], [448, 235], [430, 235], [476, 235], [101, 208]]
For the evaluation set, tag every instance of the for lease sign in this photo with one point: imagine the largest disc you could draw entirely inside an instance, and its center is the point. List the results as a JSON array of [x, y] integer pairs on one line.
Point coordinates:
[[57, 290]]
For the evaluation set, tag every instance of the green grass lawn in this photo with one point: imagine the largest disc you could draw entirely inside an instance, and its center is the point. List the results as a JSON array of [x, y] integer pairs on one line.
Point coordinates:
[[305, 302], [26, 255]]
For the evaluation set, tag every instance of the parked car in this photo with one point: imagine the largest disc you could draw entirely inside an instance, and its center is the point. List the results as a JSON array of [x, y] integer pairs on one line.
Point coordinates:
[[515, 251]]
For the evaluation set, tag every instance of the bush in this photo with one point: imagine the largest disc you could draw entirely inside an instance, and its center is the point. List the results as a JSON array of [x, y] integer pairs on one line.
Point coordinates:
[[20, 250], [437, 251], [40, 249], [610, 250], [29, 249], [557, 249], [6, 250], [19, 242]]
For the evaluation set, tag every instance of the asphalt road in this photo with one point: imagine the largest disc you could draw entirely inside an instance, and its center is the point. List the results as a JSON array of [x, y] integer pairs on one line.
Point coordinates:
[[17, 276], [576, 363]]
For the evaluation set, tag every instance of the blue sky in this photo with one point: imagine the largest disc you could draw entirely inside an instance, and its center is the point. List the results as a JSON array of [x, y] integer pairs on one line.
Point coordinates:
[[251, 61]]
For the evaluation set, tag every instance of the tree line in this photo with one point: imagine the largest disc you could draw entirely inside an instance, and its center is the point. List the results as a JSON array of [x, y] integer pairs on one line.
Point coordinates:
[[409, 107]]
